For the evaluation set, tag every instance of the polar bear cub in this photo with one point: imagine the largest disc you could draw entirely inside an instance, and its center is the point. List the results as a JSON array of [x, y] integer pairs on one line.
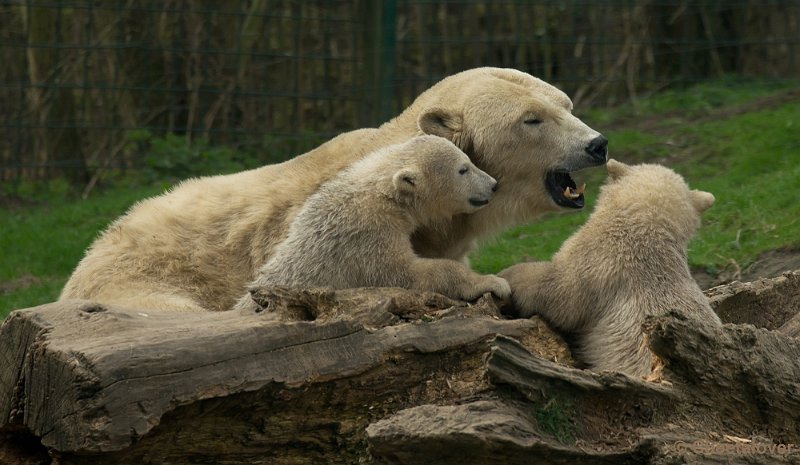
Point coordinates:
[[627, 262], [355, 231]]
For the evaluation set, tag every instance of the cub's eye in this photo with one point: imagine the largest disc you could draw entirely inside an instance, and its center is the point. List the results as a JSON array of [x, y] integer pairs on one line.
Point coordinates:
[[463, 170], [533, 121]]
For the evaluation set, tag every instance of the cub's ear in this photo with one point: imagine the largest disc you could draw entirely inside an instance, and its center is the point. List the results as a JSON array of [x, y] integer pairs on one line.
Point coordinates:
[[405, 181], [439, 122], [701, 200], [616, 169]]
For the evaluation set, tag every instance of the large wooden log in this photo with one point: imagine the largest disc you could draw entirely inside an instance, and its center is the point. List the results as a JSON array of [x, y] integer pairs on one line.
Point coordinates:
[[744, 376], [387, 376], [100, 383], [727, 395], [481, 432], [519, 422], [730, 396]]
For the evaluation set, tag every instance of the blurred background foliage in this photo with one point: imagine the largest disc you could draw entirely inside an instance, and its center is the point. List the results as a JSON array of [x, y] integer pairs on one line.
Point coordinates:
[[92, 90]]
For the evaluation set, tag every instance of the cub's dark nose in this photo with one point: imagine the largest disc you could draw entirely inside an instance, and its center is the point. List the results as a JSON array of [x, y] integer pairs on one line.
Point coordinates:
[[598, 148], [494, 187]]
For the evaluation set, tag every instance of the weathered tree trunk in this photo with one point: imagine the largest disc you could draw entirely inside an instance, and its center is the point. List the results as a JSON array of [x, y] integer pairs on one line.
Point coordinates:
[[383, 376], [58, 148]]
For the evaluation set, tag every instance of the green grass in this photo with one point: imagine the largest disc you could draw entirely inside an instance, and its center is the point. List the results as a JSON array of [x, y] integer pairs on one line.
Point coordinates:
[[557, 417], [750, 161], [674, 105], [752, 166], [41, 244]]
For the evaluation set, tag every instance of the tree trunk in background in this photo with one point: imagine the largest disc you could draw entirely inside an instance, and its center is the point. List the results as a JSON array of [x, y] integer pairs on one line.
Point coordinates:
[[280, 76], [57, 146]]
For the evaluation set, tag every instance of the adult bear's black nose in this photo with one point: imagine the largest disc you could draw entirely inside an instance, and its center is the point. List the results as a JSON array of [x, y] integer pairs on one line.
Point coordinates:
[[598, 148]]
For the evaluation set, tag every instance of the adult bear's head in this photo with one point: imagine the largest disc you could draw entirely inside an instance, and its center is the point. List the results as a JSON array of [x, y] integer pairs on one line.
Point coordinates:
[[517, 128]]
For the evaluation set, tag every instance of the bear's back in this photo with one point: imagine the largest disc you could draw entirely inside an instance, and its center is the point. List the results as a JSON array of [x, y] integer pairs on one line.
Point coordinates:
[[345, 235]]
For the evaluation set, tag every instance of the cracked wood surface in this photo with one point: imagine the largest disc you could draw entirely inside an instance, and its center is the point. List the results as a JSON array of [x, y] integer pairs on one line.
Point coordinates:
[[766, 303], [387, 376], [93, 378]]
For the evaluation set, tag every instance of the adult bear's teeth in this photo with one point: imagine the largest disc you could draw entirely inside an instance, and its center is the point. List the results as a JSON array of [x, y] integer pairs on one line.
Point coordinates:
[[570, 194]]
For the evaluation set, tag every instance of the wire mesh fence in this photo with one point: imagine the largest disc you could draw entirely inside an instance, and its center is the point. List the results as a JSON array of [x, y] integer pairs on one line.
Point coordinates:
[[86, 82]]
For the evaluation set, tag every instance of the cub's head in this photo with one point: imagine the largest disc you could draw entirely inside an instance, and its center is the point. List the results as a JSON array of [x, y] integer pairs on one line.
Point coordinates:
[[439, 180], [656, 194], [520, 130]]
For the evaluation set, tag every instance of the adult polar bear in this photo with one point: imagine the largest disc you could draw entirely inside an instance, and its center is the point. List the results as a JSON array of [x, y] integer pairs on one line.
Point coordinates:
[[197, 246]]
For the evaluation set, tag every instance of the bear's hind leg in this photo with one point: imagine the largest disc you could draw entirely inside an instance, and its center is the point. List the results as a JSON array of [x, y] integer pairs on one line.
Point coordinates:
[[147, 298], [617, 344]]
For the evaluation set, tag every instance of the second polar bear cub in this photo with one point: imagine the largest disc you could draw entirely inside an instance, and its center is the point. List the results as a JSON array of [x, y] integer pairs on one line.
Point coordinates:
[[627, 262], [355, 231]]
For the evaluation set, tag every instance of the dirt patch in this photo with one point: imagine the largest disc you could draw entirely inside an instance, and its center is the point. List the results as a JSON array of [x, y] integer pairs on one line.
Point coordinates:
[[768, 265], [672, 145], [22, 282], [17, 202], [751, 106], [656, 123], [772, 263]]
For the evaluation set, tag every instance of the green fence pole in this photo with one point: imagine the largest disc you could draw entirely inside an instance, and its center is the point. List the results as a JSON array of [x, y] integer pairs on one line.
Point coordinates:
[[387, 59], [379, 47]]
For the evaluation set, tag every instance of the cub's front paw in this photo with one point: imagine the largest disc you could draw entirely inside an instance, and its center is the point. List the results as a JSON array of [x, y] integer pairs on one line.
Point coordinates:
[[497, 286]]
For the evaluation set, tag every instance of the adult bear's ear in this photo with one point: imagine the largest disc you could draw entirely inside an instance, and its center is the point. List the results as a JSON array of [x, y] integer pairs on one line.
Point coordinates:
[[405, 181], [616, 169], [701, 200], [439, 122]]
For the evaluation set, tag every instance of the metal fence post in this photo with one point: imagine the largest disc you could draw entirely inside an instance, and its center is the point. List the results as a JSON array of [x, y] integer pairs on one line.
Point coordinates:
[[380, 44], [388, 51]]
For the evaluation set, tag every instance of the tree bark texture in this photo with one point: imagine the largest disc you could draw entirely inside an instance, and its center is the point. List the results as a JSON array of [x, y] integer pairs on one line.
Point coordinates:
[[386, 376]]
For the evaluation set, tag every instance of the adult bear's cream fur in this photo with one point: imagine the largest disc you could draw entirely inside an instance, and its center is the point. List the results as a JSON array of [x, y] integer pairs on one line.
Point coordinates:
[[355, 231], [199, 245]]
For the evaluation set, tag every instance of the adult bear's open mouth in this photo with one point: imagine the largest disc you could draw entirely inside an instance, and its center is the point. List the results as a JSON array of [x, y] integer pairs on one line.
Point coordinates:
[[563, 189]]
